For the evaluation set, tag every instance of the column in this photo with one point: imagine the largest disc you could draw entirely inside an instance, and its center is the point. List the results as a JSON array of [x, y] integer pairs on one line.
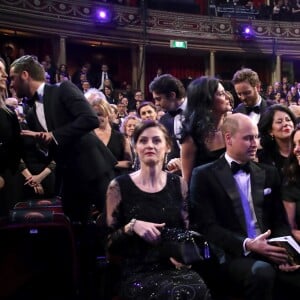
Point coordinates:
[[141, 68], [212, 68], [276, 72], [278, 68], [62, 51], [135, 67]]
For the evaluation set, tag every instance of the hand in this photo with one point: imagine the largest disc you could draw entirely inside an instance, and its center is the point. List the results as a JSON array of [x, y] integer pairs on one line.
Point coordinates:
[[38, 189], [45, 137], [2, 182], [174, 165], [260, 245], [148, 231], [178, 265], [288, 267]]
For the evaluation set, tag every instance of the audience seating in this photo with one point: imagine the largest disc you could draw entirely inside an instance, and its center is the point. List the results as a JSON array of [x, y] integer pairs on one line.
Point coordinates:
[[38, 257]]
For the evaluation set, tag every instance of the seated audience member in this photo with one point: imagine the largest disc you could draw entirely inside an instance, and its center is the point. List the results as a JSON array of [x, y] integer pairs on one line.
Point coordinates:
[[114, 140], [291, 185], [139, 205], [93, 95], [115, 121], [147, 111], [295, 109], [127, 128], [275, 127], [236, 204]]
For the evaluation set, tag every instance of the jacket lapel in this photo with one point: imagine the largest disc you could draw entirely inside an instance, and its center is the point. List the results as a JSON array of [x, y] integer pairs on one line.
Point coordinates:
[[226, 179], [46, 102], [257, 178]]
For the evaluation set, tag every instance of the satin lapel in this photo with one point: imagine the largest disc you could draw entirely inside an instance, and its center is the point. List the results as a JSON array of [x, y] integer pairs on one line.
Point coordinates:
[[258, 177], [46, 102], [226, 179], [35, 119]]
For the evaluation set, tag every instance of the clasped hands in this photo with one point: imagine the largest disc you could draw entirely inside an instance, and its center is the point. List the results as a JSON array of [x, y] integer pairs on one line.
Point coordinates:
[[34, 181], [276, 254]]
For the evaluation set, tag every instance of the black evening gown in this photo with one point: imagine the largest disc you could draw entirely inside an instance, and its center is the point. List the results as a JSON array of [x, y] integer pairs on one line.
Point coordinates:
[[145, 273]]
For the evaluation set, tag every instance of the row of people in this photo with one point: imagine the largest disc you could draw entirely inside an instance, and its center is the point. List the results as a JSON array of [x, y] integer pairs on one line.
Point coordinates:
[[70, 121]]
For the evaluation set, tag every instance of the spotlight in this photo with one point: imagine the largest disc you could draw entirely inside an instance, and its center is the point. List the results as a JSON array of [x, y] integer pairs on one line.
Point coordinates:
[[246, 31], [103, 15]]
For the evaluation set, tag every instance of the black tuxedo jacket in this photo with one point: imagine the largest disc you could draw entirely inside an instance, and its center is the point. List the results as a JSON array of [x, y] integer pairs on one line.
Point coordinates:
[[71, 120], [168, 121], [241, 108], [216, 208]]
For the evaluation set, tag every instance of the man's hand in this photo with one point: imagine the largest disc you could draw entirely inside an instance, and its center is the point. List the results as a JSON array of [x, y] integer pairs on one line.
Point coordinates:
[[45, 137], [260, 245]]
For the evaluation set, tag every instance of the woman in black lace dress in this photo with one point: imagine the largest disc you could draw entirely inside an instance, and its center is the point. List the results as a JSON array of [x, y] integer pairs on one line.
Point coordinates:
[[139, 206]]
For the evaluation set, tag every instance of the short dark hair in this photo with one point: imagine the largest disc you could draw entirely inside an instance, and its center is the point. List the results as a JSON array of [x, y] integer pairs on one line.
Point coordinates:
[[166, 84], [30, 64]]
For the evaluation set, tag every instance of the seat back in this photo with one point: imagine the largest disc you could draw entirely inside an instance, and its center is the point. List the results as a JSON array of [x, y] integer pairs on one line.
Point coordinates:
[[38, 256]]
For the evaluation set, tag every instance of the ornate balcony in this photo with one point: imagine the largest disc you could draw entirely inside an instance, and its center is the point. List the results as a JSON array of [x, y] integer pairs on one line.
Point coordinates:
[[139, 26]]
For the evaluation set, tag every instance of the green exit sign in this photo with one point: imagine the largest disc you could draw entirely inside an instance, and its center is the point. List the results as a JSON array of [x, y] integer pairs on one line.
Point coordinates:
[[178, 44]]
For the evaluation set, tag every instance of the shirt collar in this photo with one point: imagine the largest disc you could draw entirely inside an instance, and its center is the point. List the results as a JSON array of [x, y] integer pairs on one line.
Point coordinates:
[[40, 90]]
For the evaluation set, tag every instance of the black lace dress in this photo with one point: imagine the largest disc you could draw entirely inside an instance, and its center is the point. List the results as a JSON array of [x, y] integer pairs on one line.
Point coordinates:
[[145, 273]]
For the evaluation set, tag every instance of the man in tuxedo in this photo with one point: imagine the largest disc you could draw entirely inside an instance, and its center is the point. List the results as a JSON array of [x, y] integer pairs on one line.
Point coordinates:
[[236, 204], [102, 76], [169, 94], [247, 87], [63, 120]]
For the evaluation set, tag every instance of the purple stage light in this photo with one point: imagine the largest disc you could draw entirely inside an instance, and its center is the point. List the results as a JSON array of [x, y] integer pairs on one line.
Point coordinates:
[[103, 15]]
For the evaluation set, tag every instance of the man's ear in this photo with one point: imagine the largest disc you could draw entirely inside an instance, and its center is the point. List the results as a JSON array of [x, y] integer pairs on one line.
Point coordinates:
[[172, 95], [227, 138], [25, 75]]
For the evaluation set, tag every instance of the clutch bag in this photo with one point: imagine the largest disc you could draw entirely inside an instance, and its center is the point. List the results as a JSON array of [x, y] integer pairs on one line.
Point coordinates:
[[186, 246]]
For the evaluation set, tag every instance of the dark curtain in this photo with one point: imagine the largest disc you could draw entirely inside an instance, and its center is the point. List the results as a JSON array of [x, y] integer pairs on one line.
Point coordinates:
[[184, 66]]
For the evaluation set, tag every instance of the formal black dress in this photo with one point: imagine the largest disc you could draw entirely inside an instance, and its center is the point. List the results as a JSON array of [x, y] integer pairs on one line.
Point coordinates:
[[116, 145], [35, 159], [291, 193], [10, 153], [145, 273]]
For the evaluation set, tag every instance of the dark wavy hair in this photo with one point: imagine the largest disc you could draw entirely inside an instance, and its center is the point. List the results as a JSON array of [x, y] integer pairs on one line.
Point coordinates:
[[268, 143], [198, 114], [292, 169]]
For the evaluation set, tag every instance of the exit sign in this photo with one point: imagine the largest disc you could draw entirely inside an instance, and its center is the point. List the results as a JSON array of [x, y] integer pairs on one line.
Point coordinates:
[[178, 44]]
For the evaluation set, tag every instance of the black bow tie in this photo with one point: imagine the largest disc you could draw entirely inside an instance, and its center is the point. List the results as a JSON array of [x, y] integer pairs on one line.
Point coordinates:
[[30, 101], [235, 167], [175, 112], [255, 109]]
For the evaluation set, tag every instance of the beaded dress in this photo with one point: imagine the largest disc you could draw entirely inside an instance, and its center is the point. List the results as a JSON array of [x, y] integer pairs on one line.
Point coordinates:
[[145, 273]]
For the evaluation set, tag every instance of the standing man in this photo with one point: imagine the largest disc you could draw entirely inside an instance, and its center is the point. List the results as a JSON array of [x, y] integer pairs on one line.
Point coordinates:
[[102, 76], [169, 93], [247, 87], [236, 204], [63, 120]]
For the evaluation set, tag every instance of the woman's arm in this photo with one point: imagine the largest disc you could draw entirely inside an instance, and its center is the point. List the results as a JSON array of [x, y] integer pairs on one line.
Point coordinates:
[[290, 208], [126, 163], [188, 154]]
